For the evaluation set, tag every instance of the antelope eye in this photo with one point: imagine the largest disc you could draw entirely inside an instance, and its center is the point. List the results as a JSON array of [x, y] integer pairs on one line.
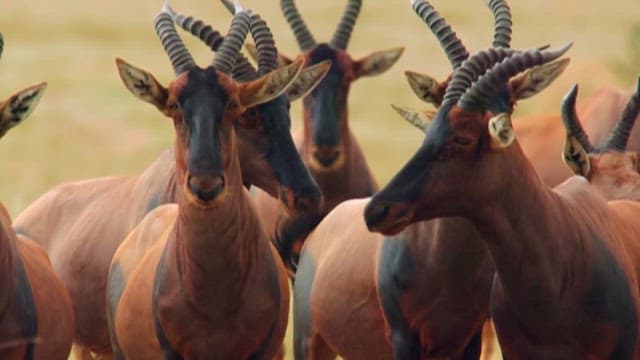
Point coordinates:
[[461, 141]]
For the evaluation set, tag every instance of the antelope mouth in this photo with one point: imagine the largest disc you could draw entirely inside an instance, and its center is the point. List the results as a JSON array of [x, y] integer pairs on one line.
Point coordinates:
[[205, 190], [327, 157], [388, 219]]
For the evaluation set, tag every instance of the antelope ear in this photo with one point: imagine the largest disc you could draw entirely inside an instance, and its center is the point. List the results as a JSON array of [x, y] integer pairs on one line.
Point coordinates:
[[308, 79], [142, 84], [501, 131], [19, 106], [419, 119], [536, 79], [425, 87], [575, 157], [269, 86], [377, 62]]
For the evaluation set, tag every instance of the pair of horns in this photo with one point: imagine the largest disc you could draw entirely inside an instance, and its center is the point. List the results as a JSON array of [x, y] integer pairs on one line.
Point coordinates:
[[305, 39], [243, 70], [619, 135], [181, 59], [481, 76], [449, 41]]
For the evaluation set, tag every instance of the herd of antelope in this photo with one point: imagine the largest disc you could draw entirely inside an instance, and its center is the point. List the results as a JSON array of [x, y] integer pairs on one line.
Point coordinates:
[[526, 230]]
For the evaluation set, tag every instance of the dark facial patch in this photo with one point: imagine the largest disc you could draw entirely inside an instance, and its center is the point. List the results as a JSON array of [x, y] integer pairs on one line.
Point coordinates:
[[203, 101], [407, 184], [326, 102], [610, 301]]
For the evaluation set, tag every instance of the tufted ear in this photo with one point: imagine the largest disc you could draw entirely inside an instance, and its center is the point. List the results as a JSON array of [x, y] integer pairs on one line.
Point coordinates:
[[308, 79], [575, 157], [377, 62], [501, 131], [253, 54], [419, 119], [426, 88], [143, 84], [19, 106], [536, 79], [269, 86]]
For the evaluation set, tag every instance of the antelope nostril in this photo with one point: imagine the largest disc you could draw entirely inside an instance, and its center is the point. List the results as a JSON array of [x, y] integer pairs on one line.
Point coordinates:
[[375, 213], [206, 188]]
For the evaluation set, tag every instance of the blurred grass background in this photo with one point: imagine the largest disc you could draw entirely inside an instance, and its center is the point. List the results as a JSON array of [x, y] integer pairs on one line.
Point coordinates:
[[88, 124]]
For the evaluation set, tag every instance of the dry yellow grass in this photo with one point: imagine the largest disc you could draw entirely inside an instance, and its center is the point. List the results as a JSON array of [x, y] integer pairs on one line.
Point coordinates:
[[88, 125]]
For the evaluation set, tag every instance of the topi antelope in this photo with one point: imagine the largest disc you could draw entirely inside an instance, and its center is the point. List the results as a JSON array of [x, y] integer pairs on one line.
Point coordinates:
[[81, 224], [415, 281], [566, 282], [210, 281], [327, 145], [34, 303]]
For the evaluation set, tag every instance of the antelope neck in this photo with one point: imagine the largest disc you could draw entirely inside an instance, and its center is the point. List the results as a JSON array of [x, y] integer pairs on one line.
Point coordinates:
[[451, 243], [526, 229], [217, 246]]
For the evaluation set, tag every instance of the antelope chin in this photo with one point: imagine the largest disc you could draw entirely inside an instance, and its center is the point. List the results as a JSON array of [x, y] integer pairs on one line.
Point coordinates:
[[323, 166], [391, 229]]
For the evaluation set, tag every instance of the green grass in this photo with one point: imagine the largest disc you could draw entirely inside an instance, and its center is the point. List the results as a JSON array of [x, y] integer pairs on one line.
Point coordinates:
[[88, 125]]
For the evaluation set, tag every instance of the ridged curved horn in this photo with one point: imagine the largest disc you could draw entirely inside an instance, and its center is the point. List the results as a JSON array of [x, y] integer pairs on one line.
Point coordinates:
[[471, 70], [620, 134], [265, 45], [297, 24], [230, 48], [477, 97], [571, 121], [179, 56], [341, 37], [263, 38], [452, 45], [242, 70], [502, 22]]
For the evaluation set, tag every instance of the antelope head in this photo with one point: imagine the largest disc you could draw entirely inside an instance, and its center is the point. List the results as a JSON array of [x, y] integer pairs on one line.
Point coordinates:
[[268, 156], [325, 108], [609, 167], [205, 105], [467, 156], [19, 105]]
